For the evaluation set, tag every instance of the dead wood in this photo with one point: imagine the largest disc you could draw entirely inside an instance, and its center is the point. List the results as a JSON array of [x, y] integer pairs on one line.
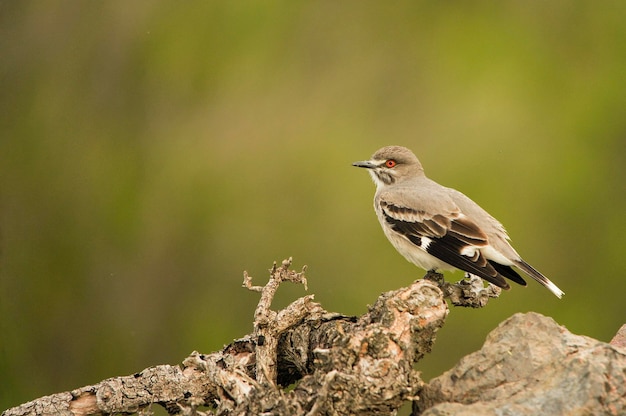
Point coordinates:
[[303, 360]]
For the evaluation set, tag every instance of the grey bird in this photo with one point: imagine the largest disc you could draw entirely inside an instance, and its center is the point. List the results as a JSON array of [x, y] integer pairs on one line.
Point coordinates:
[[439, 228]]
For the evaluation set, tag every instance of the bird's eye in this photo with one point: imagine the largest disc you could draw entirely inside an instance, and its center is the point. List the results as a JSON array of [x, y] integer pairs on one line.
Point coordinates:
[[390, 163]]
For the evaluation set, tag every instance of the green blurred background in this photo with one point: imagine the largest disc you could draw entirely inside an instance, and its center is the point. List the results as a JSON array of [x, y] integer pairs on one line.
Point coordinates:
[[151, 151]]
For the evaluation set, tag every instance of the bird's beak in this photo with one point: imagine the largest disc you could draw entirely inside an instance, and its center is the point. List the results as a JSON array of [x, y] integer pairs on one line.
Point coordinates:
[[368, 164]]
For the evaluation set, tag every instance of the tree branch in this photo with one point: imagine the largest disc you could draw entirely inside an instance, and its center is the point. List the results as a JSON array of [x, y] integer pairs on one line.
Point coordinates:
[[339, 364], [269, 325]]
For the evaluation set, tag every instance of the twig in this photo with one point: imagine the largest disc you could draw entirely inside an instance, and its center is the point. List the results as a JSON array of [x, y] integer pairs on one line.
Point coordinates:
[[269, 325]]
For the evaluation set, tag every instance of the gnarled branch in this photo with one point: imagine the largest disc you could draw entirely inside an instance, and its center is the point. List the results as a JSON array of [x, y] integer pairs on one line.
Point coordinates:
[[339, 364]]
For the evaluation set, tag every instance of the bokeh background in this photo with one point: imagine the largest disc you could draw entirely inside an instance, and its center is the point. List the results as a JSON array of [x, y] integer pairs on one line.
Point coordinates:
[[150, 151]]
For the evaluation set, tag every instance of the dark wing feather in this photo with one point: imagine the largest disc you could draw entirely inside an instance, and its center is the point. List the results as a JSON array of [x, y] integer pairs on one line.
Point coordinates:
[[508, 272], [449, 235]]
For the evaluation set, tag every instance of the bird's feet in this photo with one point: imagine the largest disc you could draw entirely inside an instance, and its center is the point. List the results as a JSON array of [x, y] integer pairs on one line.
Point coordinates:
[[472, 292], [435, 277], [469, 292]]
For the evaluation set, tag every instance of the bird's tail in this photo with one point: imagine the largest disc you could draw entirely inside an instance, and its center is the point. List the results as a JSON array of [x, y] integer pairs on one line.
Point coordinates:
[[535, 274]]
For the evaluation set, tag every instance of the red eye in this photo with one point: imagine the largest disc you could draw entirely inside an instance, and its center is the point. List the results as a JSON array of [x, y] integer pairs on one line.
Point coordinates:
[[390, 163]]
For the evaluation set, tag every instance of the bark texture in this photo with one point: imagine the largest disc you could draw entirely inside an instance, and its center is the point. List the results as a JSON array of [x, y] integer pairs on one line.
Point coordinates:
[[340, 365], [336, 364]]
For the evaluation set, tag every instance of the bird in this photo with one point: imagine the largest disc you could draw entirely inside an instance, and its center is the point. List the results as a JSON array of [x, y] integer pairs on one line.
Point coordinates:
[[439, 228]]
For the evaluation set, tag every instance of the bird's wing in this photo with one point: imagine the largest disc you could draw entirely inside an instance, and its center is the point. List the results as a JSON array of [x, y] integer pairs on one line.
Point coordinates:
[[449, 236]]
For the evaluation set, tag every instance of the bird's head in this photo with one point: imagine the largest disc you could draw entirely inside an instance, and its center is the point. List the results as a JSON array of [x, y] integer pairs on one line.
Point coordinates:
[[392, 165]]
